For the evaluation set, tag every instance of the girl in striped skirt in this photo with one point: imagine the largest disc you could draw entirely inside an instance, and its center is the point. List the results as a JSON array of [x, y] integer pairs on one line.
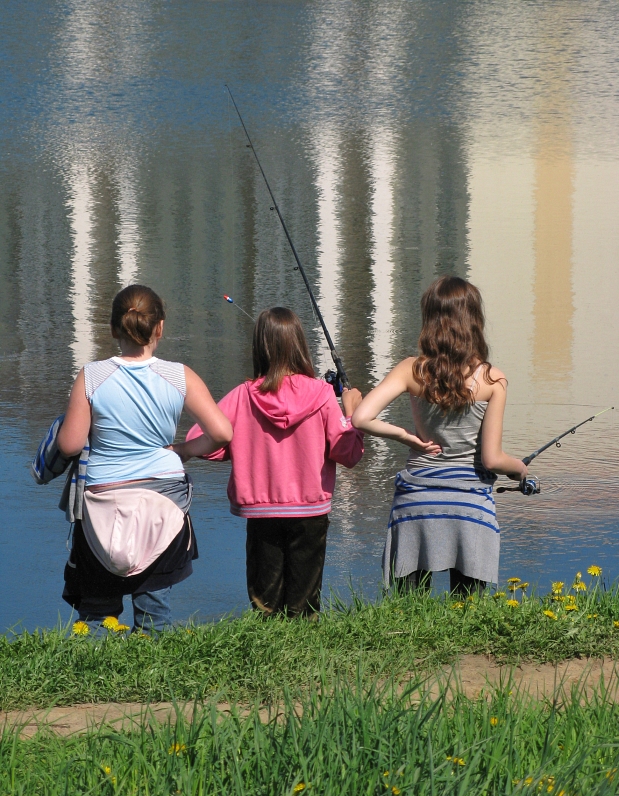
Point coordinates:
[[443, 514]]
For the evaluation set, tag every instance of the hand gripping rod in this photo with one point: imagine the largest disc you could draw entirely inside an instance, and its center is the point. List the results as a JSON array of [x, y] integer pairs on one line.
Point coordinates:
[[555, 441], [336, 359]]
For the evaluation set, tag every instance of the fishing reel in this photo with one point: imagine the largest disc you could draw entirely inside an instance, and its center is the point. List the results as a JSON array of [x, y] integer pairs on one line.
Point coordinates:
[[332, 378], [528, 486]]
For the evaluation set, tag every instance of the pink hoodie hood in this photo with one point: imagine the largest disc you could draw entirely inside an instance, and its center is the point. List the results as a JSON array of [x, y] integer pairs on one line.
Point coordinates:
[[298, 397]]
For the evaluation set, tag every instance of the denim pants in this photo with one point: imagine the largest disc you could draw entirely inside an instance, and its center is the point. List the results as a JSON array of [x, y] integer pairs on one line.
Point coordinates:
[[151, 610]]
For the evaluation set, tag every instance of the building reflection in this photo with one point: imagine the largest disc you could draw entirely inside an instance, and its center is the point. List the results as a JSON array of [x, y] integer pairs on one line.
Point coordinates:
[[554, 186]]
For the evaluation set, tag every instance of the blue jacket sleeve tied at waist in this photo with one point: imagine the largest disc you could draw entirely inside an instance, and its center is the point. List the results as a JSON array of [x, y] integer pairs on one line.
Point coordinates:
[[49, 463]]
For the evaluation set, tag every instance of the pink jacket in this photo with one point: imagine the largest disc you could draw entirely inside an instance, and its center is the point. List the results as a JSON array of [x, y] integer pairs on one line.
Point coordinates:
[[285, 447]]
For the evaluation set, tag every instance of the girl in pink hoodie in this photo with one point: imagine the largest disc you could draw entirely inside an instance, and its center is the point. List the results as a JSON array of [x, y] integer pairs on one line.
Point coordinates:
[[289, 433]]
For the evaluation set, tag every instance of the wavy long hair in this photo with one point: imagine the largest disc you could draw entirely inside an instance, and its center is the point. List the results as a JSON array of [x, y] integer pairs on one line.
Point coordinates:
[[452, 343], [279, 348]]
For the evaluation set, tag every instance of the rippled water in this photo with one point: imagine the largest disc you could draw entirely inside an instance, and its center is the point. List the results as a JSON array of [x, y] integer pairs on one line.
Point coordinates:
[[402, 139]]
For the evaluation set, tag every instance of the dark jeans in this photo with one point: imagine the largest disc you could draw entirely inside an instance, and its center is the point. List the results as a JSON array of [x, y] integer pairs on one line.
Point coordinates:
[[459, 585], [285, 560]]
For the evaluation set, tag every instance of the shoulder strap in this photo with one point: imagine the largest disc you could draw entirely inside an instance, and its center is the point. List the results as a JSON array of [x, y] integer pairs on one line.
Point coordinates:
[[95, 373], [473, 383], [172, 372]]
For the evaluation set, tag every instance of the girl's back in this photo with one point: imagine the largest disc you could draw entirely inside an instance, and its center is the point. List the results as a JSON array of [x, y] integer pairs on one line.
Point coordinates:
[[135, 407]]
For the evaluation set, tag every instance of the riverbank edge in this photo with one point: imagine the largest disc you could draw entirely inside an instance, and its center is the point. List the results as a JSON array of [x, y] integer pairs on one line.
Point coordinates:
[[250, 658]]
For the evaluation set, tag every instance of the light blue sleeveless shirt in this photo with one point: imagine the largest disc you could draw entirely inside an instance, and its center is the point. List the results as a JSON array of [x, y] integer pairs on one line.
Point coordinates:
[[136, 407]]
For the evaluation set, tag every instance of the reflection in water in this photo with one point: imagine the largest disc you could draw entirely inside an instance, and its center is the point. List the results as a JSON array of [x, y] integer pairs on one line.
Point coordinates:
[[81, 210], [327, 288], [402, 140], [553, 308], [383, 175], [128, 229]]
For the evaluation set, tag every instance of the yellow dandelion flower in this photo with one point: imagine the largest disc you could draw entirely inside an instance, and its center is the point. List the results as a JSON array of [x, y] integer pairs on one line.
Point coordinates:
[[493, 721], [386, 774], [80, 629], [550, 614], [459, 761], [497, 595], [121, 628], [177, 749], [108, 773], [592, 616], [513, 580], [571, 607], [557, 586], [470, 598], [512, 603], [396, 791], [110, 622], [578, 575], [570, 598], [449, 757], [457, 605], [522, 586], [595, 571], [558, 598], [528, 781], [298, 788], [615, 623], [580, 586]]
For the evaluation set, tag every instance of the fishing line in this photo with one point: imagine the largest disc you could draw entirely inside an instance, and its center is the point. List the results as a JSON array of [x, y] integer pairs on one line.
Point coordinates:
[[230, 300], [338, 379], [231, 157]]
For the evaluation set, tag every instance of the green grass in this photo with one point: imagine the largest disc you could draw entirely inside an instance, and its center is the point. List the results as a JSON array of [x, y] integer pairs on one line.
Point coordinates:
[[256, 659], [350, 740]]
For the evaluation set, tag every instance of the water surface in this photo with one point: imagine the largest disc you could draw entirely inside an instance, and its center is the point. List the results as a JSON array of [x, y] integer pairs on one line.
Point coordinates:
[[403, 139]]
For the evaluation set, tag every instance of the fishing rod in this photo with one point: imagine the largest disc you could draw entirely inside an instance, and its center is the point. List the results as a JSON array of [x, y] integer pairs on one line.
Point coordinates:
[[531, 485], [528, 459], [339, 379]]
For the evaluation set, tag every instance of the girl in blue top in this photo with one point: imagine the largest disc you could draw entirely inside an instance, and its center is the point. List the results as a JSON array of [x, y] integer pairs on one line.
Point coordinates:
[[136, 535]]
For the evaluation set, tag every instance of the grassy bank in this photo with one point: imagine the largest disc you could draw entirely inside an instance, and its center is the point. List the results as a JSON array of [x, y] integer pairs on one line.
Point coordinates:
[[352, 741], [249, 658]]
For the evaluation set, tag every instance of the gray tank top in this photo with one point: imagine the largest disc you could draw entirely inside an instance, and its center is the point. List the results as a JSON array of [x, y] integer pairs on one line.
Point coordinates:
[[458, 433]]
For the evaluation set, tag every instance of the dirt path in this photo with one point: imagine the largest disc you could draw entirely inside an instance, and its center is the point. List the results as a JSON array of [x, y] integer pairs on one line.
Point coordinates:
[[474, 675]]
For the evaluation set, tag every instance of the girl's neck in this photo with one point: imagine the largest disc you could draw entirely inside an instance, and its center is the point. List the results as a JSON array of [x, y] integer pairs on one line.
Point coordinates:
[[136, 353]]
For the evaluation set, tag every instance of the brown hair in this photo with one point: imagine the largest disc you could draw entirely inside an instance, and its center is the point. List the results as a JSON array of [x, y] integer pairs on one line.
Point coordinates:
[[451, 344], [136, 310], [279, 348]]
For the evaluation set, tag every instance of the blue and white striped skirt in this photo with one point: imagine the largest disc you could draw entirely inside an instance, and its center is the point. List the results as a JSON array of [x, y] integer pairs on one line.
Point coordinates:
[[443, 518]]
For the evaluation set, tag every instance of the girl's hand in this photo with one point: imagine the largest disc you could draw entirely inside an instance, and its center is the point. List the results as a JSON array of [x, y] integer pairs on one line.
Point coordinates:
[[351, 400], [179, 449], [430, 448], [520, 473]]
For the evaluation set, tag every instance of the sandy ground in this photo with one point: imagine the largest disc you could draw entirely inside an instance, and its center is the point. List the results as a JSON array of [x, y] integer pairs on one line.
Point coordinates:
[[473, 675]]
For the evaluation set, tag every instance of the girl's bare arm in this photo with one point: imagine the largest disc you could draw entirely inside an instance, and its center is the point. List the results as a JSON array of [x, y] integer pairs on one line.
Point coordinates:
[[76, 425], [492, 455], [365, 417]]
